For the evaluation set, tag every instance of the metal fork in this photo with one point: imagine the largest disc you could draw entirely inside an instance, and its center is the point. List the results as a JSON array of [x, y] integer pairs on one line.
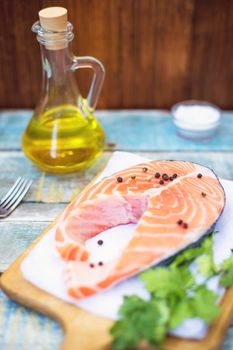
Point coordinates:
[[14, 196]]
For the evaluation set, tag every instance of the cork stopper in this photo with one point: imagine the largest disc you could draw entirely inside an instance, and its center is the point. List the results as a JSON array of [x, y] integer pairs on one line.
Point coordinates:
[[54, 19]]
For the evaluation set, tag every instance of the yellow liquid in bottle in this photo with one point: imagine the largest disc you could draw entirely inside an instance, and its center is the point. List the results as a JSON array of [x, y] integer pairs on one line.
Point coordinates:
[[62, 140]]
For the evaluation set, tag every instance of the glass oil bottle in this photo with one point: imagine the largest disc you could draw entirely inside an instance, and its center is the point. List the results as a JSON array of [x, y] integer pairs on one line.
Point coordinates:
[[63, 135]]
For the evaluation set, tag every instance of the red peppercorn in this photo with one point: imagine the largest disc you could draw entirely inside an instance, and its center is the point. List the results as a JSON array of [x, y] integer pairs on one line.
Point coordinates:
[[185, 225]]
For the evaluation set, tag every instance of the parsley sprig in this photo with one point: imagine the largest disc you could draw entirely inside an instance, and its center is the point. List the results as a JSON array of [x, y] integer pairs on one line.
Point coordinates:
[[175, 295]]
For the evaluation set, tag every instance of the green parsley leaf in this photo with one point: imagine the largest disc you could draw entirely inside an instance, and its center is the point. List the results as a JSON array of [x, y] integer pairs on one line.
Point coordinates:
[[174, 296], [164, 281], [141, 320], [204, 304], [181, 312], [205, 265], [227, 269]]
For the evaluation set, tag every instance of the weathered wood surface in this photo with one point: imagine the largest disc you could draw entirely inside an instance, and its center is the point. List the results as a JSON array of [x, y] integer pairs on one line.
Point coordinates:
[[156, 52], [24, 329], [145, 130], [49, 194]]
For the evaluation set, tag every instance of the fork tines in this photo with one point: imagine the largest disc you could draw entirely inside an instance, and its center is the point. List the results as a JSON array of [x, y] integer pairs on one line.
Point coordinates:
[[14, 196]]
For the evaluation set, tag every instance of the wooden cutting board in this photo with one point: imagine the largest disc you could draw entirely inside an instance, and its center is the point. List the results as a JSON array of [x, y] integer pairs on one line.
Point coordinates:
[[85, 331]]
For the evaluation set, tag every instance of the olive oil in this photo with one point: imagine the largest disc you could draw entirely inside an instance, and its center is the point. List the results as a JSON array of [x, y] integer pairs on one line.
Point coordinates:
[[63, 140], [63, 135]]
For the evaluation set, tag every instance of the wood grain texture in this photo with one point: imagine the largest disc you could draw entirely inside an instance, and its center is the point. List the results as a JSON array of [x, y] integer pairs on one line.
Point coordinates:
[[146, 130], [156, 52], [22, 328], [61, 189], [87, 331]]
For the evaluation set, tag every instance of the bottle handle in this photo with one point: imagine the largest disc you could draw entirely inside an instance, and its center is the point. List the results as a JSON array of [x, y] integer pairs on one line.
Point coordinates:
[[97, 80]]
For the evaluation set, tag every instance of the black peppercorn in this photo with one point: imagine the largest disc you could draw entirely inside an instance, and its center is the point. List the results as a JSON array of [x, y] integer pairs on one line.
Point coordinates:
[[100, 242], [157, 175], [92, 265], [174, 176], [199, 176], [165, 177], [180, 222], [144, 169], [100, 263], [119, 179], [161, 182]]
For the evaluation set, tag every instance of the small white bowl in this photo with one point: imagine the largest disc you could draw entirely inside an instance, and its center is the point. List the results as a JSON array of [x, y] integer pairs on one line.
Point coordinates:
[[196, 120]]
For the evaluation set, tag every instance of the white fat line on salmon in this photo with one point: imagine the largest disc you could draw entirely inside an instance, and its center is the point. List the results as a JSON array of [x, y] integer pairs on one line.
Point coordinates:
[[193, 207], [206, 186], [159, 235], [176, 250], [148, 192], [143, 222], [145, 249], [157, 191], [214, 208]]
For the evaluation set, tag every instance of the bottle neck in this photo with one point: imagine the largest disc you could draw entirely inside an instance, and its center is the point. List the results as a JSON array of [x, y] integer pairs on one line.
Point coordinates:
[[59, 86], [56, 64]]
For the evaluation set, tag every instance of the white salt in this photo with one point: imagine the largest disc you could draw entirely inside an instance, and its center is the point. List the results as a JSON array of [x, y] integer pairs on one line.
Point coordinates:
[[197, 115]]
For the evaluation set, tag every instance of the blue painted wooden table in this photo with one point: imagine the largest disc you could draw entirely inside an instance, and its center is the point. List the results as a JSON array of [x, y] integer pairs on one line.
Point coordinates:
[[150, 133]]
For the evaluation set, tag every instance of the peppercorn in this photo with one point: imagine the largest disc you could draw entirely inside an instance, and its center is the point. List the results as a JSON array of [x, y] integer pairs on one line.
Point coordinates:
[[174, 176], [119, 179], [133, 177], [100, 263], [199, 176], [171, 178], [144, 169], [157, 175], [180, 222], [185, 225], [203, 194], [100, 242], [161, 182], [165, 177], [92, 265]]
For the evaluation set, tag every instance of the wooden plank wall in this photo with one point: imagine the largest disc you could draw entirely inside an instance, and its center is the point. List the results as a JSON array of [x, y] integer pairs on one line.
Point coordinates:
[[156, 52]]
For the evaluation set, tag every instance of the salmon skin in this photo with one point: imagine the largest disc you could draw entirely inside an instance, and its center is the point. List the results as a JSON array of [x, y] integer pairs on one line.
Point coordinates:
[[174, 204]]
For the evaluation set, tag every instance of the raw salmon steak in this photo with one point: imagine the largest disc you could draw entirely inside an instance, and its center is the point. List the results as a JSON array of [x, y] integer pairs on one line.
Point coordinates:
[[173, 203]]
